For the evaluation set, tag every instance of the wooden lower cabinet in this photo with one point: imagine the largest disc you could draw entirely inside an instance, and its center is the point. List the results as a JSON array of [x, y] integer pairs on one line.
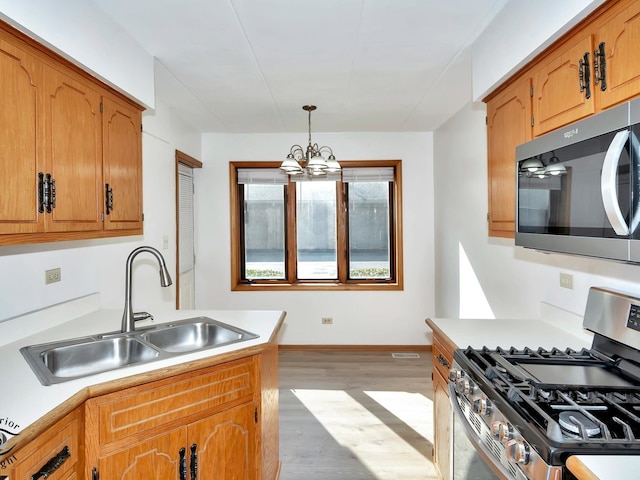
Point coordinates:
[[222, 446], [442, 427], [442, 412], [55, 455], [226, 445], [158, 457], [205, 424]]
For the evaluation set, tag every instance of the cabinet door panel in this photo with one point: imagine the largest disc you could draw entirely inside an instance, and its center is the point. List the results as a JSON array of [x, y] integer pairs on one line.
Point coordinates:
[[621, 35], [557, 98], [157, 457], [20, 150], [226, 445], [508, 125], [122, 155], [73, 149]]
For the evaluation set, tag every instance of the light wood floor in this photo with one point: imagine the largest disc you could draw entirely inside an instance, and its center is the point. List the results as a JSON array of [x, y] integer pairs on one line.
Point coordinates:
[[355, 415]]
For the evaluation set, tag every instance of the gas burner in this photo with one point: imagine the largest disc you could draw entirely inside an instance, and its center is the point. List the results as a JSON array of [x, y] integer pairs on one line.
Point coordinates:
[[573, 421]]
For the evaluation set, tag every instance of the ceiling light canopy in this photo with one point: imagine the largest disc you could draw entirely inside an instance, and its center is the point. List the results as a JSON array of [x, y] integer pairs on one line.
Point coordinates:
[[310, 161]]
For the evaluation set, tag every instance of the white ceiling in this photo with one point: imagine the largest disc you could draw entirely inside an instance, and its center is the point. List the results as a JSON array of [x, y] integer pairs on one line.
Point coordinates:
[[248, 66]]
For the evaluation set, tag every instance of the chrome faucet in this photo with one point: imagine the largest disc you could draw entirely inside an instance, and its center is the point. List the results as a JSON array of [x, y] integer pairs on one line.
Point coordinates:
[[128, 317]]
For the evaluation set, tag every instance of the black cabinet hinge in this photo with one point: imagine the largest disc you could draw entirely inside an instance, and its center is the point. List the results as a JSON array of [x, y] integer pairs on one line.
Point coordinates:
[[531, 91], [100, 107], [94, 474], [255, 414], [533, 121]]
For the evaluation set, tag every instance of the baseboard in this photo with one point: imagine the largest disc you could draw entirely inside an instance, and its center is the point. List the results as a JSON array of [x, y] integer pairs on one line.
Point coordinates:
[[359, 348]]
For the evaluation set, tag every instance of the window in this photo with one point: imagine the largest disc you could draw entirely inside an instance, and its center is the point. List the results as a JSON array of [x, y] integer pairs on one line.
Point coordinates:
[[343, 232]]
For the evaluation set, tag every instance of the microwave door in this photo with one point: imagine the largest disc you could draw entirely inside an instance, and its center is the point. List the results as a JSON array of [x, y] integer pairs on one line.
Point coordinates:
[[609, 182], [634, 226]]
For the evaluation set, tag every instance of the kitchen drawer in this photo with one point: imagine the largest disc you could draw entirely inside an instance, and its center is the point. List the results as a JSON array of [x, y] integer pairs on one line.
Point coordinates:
[[54, 454], [442, 357], [156, 404]]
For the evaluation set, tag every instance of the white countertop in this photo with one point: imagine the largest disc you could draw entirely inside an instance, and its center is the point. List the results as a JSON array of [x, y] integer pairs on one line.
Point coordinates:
[[24, 399], [494, 333]]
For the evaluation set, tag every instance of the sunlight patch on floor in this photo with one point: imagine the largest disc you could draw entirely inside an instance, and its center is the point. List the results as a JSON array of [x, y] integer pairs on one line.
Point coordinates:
[[414, 409], [378, 446]]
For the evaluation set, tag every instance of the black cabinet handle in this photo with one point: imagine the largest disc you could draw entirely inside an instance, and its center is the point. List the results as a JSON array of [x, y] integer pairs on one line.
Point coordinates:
[[183, 463], [194, 462], [52, 465], [443, 361], [600, 66], [94, 474], [108, 196], [585, 75], [40, 192]]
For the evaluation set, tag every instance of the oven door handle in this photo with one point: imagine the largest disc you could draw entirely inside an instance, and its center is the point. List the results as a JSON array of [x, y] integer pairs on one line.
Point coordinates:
[[486, 455], [608, 183]]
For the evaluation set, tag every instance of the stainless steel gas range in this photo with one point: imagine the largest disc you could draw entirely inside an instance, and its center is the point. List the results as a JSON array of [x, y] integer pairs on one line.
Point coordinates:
[[526, 411]]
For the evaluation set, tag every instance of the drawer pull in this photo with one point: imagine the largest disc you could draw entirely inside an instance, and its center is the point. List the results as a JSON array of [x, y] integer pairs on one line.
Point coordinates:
[[443, 361], [53, 464]]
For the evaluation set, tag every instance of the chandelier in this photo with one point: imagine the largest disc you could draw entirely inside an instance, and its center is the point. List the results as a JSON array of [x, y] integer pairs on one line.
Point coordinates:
[[312, 161]]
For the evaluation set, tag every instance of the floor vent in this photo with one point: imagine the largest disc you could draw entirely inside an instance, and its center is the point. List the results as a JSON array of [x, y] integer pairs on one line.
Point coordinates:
[[405, 355]]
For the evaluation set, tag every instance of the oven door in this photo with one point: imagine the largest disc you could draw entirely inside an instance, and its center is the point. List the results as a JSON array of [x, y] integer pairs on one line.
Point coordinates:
[[472, 459]]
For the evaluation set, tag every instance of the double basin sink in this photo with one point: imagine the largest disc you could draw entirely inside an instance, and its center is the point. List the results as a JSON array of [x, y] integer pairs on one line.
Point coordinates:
[[80, 357]]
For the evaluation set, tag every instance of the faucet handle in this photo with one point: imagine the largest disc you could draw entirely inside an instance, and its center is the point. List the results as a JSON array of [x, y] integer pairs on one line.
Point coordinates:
[[137, 316]]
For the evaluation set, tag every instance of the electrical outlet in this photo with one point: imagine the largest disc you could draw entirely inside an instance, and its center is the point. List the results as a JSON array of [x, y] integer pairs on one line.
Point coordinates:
[[52, 276], [566, 281], [327, 320]]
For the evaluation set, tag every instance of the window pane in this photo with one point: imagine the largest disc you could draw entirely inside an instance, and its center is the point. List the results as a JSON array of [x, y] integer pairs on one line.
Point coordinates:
[[369, 247], [316, 230], [264, 238]]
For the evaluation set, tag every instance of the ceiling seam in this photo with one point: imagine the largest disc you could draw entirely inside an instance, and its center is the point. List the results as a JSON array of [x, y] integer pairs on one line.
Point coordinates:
[[486, 19], [255, 58], [204, 105]]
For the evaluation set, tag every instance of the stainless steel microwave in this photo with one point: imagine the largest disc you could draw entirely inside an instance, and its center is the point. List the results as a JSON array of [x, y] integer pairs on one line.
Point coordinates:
[[578, 187]]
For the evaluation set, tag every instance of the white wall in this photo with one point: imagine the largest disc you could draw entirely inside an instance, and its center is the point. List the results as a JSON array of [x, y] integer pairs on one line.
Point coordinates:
[[82, 33], [499, 280], [369, 318]]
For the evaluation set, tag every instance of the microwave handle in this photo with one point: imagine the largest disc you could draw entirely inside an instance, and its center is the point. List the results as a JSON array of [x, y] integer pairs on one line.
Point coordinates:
[[608, 183]]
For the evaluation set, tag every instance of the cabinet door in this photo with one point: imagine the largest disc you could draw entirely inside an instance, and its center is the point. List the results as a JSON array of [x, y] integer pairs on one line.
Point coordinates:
[[226, 445], [621, 37], [158, 457], [20, 131], [73, 148], [122, 154], [442, 421], [557, 97], [508, 125]]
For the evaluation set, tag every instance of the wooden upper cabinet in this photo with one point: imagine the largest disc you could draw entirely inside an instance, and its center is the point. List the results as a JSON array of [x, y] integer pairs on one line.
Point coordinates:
[[122, 155], [563, 87], [508, 125], [73, 141], [20, 150], [621, 37]]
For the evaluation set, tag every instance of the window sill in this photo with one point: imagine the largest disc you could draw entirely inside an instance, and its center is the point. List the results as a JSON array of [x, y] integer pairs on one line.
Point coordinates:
[[245, 287]]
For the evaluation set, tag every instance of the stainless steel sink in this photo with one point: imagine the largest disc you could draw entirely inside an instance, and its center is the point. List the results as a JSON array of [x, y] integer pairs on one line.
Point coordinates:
[[80, 357], [96, 356], [189, 336]]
